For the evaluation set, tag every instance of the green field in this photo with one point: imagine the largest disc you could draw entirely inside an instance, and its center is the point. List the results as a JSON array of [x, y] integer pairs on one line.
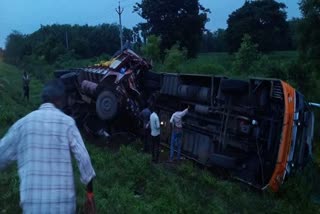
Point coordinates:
[[127, 181]]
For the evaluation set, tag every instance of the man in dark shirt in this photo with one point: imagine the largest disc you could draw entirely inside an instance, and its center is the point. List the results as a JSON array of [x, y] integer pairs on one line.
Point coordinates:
[[25, 84], [145, 117]]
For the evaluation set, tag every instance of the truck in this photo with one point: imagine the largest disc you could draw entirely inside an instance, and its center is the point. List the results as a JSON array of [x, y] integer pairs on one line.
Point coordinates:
[[259, 130]]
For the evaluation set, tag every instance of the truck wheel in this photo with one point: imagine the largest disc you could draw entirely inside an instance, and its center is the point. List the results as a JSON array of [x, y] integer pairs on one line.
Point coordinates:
[[106, 105], [59, 73], [69, 80], [204, 95], [188, 91]]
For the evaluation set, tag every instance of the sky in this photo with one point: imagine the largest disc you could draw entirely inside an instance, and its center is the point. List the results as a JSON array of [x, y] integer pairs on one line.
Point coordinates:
[[26, 16]]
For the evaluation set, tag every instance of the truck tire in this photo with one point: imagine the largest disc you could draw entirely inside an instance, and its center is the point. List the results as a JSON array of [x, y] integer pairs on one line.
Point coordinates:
[[69, 80], [188, 92], [107, 105], [59, 73], [204, 95]]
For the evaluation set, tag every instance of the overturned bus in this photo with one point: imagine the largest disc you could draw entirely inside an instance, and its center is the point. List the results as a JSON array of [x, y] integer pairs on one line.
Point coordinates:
[[259, 130]]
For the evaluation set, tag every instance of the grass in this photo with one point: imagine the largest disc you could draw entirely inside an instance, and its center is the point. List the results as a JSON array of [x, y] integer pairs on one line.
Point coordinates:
[[127, 181], [221, 63], [12, 106]]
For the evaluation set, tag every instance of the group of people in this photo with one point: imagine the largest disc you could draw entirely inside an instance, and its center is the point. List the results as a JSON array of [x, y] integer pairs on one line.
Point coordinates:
[[151, 125], [43, 143]]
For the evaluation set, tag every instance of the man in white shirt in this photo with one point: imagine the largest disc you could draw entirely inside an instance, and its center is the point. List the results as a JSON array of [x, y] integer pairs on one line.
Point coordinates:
[[42, 143], [155, 134], [176, 124]]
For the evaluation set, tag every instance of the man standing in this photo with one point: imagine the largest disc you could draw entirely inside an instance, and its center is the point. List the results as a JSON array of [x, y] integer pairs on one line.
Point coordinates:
[[25, 85], [42, 142], [176, 124], [145, 117], [155, 134]]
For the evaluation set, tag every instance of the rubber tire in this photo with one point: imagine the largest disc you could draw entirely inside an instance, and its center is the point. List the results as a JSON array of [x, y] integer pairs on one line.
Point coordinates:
[[59, 73], [188, 91], [204, 95], [183, 91], [69, 80], [107, 105]]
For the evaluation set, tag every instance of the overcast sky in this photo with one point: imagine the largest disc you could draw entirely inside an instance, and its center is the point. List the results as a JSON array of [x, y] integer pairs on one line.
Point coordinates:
[[26, 16]]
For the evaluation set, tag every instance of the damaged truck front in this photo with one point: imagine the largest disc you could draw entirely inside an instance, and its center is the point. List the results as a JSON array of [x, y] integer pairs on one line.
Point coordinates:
[[106, 97], [259, 130]]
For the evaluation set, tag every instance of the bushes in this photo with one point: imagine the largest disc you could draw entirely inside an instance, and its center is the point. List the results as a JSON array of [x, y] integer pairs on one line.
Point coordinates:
[[151, 50], [176, 61], [198, 67], [245, 57], [304, 78], [300, 189], [7, 116], [37, 67], [265, 67], [174, 58], [71, 60]]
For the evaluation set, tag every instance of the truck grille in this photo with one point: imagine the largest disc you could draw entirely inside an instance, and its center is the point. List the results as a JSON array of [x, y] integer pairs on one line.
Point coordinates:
[[94, 74], [277, 91]]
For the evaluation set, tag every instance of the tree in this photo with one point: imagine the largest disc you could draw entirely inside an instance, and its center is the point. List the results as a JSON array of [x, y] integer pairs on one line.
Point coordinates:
[[264, 21], [137, 42], [174, 58], [52, 41], [309, 31], [306, 71], [1, 52], [180, 21], [207, 42], [152, 48], [246, 56], [219, 44], [294, 32], [15, 47], [214, 42]]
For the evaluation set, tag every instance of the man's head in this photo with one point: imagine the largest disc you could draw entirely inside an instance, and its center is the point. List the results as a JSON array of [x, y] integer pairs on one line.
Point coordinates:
[[154, 108], [54, 92]]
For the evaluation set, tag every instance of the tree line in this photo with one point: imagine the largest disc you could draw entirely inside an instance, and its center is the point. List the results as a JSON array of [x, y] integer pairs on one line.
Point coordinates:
[[265, 22], [52, 41], [177, 23]]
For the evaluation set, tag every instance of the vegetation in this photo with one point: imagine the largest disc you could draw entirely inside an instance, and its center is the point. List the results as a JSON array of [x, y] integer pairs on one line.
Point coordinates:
[[214, 42], [174, 58], [174, 21], [151, 49], [246, 56], [309, 33], [52, 42], [264, 21], [127, 181], [306, 69]]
